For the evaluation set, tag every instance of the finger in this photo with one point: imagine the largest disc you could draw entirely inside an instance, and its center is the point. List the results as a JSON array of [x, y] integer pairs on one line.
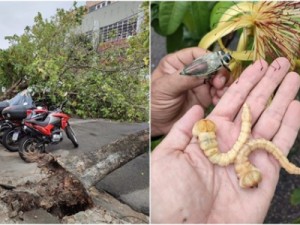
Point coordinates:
[[260, 95], [201, 96], [221, 92], [215, 100], [212, 92], [181, 133], [284, 140], [235, 96], [175, 62], [273, 115], [220, 79], [184, 57], [287, 133], [177, 84]]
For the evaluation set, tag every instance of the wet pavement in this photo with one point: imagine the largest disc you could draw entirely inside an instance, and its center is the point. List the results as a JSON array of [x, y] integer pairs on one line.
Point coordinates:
[[130, 183]]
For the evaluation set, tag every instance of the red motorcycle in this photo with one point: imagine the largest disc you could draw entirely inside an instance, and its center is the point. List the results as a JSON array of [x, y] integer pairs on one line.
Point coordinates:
[[42, 133]]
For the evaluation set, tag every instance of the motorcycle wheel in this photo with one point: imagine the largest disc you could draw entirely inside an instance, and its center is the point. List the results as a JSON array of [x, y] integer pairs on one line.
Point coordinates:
[[2, 131], [7, 141], [30, 148], [71, 135]]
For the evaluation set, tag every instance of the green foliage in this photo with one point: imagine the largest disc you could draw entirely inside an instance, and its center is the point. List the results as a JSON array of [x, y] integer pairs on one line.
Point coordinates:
[[295, 197], [155, 143], [295, 200], [114, 96], [182, 23], [52, 58], [217, 12], [171, 15]]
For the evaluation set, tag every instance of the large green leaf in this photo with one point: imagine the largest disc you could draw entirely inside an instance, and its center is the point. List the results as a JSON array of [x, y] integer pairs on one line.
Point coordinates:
[[171, 15], [154, 10], [217, 12], [154, 18], [175, 40], [197, 19]]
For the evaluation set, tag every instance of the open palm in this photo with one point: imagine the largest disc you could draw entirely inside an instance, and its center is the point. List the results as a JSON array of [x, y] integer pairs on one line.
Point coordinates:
[[186, 187]]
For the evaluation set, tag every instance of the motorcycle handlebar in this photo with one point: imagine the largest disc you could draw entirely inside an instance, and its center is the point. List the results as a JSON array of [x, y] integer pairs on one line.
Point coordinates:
[[63, 104]]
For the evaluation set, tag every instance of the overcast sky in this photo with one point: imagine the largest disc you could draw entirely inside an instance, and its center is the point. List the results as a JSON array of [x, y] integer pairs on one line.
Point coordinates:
[[16, 15]]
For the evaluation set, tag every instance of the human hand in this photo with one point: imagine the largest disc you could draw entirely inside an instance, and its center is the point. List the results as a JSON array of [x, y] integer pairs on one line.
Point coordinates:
[[186, 187], [173, 94]]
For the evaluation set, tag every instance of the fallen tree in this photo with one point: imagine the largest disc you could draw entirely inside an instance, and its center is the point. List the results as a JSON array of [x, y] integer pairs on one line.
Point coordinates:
[[90, 168]]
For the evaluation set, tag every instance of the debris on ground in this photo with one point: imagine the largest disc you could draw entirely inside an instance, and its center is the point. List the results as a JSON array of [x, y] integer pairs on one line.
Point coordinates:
[[62, 198], [59, 193]]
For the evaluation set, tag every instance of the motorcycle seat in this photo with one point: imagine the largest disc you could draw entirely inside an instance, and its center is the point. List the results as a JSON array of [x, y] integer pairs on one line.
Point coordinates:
[[37, 122]]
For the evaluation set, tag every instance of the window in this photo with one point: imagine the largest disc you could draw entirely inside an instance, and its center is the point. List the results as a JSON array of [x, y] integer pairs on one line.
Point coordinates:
[[89, 35], [99, 6], [119, 30]]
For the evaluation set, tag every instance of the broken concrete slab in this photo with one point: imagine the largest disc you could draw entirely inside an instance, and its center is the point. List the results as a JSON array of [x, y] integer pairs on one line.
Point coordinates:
[[39, 216], [15, 172], [130, 183], [94, 216], [138, 200], [4, 211], [121, 210]]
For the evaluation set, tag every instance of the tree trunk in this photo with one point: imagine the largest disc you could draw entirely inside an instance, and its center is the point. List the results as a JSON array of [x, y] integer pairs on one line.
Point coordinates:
[[91, 167], [12, 91]]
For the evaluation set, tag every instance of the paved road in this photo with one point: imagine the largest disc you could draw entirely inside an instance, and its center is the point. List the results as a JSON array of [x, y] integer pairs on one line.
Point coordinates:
[[91, 135], [130, 183]]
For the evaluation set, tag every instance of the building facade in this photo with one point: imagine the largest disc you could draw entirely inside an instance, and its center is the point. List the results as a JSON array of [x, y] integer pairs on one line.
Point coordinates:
[[108, 21]]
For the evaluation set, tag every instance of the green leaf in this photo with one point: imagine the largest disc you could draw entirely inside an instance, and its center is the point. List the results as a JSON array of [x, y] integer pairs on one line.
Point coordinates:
[[175, 41], [171, 15], [197, 19], [154, 18], [155, 143], [156, 27], [295, 196], [218, 11], [154, 10]]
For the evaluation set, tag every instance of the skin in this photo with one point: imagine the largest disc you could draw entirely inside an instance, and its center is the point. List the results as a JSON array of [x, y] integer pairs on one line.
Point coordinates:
[[187, 188], [173, 94]]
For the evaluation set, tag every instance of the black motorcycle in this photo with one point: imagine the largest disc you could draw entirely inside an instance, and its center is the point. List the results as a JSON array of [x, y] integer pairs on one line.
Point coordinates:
[[11, 128]]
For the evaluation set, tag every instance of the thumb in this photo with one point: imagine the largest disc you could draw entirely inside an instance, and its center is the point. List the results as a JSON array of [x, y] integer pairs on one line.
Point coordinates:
[[181, 133], [176, 84]]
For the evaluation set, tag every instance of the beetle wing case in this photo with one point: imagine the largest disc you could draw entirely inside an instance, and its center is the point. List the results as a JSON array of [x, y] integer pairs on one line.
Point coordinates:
[[205, 66]]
